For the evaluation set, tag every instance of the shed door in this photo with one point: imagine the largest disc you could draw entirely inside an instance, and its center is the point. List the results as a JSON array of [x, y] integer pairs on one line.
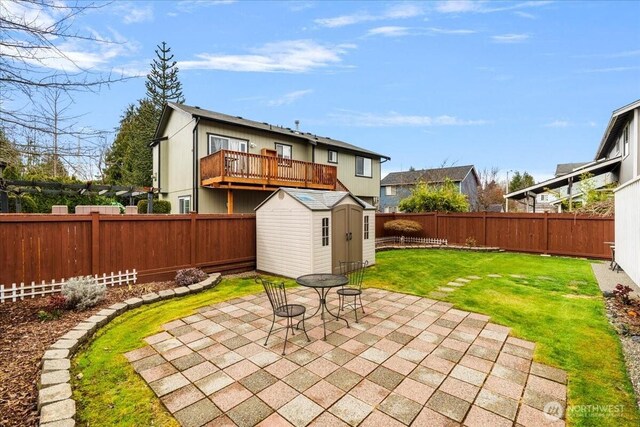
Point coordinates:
[[346, 223]]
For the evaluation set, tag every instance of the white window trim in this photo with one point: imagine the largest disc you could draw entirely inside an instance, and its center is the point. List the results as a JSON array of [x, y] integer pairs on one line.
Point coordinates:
[[325, 232], [364, 168], [181, 203], [242, 145], [329, 156], [366, 227], [390, 190]]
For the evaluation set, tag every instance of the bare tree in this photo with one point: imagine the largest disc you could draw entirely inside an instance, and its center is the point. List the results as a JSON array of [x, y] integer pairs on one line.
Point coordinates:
[[32, 59]]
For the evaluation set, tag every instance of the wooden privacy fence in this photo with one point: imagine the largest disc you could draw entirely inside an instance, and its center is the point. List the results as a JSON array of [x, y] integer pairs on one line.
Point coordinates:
[[556, 234], [52, 247]]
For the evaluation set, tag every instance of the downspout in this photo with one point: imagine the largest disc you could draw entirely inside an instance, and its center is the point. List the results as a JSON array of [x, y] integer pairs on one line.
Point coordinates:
[[195, 165]]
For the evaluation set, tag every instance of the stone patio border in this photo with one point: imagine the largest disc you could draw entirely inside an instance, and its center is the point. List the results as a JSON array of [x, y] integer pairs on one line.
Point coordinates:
[[56, 407]]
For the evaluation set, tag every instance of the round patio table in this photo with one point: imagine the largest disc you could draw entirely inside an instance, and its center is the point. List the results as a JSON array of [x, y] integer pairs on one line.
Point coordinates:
[[322, 284]]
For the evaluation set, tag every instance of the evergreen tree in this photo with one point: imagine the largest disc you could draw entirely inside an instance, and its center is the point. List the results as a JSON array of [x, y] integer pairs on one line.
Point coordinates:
[[116, 154], [162, 82], [10, 156], [520, 181]]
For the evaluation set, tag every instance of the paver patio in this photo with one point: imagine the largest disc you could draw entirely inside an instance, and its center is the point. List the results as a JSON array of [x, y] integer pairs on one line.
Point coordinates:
[[408, 360]]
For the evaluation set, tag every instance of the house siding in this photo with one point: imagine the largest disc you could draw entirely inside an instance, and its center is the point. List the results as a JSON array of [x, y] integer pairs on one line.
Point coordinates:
[[283, 237], [362, 187], [469, 187], [175, 178]]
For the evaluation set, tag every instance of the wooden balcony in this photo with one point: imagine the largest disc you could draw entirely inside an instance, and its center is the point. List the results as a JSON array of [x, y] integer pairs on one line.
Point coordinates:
[[234, 169]]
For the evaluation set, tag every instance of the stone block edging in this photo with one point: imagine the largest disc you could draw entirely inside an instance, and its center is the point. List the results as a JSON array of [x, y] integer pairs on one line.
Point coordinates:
[[56, 406]]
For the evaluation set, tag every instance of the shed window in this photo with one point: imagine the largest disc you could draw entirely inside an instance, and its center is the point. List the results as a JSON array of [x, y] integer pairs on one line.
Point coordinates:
[[185, 204], [333, 156], [366, 227], [363, 166], [325, 231]]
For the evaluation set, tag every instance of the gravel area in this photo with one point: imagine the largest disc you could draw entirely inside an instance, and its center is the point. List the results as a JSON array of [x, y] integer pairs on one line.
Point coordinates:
[[626, 321]]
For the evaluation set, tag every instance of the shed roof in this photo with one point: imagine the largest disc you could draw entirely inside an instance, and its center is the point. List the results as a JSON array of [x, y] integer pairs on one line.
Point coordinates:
[[241, 121], [318, 200], [454, 173]]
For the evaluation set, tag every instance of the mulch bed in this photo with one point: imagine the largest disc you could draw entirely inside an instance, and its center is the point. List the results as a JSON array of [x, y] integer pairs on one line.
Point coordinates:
[[626, 321], [23, 340]]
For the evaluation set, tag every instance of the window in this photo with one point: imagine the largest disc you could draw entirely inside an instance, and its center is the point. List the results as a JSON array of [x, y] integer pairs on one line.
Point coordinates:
[[284, 154], [544, 197], [333, 156], [390, 190], [325, 231], [625, 141], [366, 227], [185, 204], [363, 166], [218, 142]]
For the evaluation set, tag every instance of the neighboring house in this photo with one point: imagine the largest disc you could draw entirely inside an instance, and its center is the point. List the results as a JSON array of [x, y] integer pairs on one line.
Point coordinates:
[[211, 162], [566, 186], [617, 160], [398, 185]]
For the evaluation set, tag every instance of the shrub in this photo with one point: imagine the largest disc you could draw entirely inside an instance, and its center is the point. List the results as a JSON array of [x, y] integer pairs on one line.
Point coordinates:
[[159, 206], [189, 276], [621, 292], [444, 197], [471, 242], [83, 292], [402, 226]]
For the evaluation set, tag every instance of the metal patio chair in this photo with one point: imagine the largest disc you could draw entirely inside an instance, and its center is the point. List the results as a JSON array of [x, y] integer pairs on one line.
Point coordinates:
[[354, 270], [281, 308]]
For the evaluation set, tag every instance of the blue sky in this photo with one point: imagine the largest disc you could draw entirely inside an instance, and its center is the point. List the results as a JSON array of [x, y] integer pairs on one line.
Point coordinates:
[[516, 85]]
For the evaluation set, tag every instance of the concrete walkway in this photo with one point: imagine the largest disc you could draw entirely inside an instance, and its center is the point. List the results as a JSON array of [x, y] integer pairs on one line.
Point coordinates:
[[410, 360], [608, 279]]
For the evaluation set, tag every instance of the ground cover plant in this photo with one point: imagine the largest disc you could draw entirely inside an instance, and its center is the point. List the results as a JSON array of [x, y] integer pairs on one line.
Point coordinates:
[[553, 301]]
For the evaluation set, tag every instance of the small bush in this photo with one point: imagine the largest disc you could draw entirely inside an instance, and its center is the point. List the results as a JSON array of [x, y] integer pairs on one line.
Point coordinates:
[[46, 316], [402, 227], [189, 276], [83, 292], [621, 292], [471, 242], [159, 206]]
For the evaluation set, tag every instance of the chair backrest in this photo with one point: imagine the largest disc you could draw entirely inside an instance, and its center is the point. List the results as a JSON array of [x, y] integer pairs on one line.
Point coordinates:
[[354, 270], [275, 292]]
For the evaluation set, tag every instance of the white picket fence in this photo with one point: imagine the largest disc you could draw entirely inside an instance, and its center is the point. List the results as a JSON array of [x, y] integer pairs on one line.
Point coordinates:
[[19, 292], [401, 240]]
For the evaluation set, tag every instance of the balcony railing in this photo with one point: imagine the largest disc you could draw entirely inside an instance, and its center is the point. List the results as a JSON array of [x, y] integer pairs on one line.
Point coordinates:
[[234, 168]]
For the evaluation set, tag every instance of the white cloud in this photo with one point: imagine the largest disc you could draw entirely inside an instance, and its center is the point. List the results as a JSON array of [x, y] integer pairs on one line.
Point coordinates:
[[483, 6], [608, 55], [189, 6], [610, 69], [134, 13], [510, 38], [289, 98], [451, 31], [389, 31], [558, 124], [353, 118], [292, 56], [397, 11], [524, 14]]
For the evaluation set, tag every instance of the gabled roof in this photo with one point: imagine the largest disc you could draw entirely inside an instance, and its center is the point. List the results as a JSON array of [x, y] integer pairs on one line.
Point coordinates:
[[596, 168], [241, 121], [618, 119], [318, 200], [565, 168], [454, 173]]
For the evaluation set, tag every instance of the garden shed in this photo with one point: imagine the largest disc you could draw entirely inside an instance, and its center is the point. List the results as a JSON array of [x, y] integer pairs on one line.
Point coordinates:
[[300, 231]]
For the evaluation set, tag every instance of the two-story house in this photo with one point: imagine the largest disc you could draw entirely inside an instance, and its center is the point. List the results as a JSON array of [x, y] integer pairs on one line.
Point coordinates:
[[399, 185], [210, 162]]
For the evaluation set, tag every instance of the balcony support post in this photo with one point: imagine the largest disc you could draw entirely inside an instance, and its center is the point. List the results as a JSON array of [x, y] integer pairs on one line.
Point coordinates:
[[229, 201]]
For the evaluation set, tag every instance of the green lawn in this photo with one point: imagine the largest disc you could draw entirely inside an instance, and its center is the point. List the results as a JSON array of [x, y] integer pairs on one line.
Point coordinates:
[[557, 305]]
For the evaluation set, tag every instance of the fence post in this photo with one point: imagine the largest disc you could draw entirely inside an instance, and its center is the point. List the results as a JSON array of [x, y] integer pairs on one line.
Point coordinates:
[[546, 232], [95, 242], [484, 228], [193, 239]]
